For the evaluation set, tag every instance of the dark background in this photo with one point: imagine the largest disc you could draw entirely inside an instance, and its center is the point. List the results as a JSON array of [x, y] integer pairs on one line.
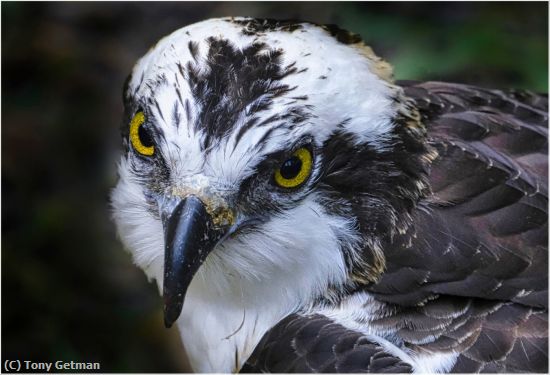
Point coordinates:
[[69, 291]]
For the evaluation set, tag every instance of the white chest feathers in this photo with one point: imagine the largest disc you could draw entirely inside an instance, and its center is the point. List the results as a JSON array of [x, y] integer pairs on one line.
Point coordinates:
[[220, 331]]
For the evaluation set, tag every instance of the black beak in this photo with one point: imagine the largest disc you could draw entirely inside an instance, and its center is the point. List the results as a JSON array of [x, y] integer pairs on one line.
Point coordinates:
[[189, 236]]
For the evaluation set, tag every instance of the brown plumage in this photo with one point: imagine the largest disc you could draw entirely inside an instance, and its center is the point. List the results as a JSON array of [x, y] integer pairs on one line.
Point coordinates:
[[316, 344]]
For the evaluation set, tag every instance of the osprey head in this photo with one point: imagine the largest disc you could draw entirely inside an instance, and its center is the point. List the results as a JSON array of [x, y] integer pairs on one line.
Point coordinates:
[[264, 155]]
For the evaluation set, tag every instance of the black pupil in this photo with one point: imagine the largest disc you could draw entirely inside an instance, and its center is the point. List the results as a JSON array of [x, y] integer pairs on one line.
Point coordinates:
[[145, 137], [291, 168]]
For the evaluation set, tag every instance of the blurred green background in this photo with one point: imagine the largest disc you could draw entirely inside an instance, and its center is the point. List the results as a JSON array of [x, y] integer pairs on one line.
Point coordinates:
[[69, 291]]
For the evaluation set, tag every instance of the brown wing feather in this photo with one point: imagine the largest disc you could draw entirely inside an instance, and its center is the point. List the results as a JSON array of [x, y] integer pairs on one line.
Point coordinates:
[[312, 344], [481, 238], [483, 232]]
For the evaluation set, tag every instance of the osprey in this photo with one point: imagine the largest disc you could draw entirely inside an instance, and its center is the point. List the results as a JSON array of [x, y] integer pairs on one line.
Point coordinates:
[[302, 212]]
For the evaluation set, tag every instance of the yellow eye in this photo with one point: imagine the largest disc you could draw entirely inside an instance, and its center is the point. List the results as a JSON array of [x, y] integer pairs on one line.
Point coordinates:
[[140, 137], [295, 170]]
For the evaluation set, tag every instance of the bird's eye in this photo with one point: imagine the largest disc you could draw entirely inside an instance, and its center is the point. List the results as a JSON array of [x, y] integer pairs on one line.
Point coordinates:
[[140, 137], [295, 170]]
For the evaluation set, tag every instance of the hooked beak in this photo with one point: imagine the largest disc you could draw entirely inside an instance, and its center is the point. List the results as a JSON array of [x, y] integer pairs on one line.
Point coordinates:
[[189, 236]]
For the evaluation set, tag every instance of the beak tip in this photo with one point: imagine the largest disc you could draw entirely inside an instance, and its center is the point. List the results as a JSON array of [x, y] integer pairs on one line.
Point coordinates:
[[167, 323], [171, 315], [172, 310]]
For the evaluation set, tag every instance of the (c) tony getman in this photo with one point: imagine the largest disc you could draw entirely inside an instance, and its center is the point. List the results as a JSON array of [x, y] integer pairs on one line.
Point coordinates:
[[17, 365], [303, 212]]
